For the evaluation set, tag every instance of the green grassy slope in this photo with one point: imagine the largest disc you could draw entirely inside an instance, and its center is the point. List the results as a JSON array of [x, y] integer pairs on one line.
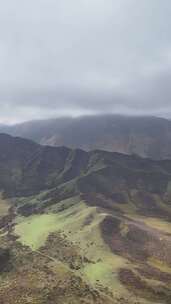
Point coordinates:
[[94, 260]]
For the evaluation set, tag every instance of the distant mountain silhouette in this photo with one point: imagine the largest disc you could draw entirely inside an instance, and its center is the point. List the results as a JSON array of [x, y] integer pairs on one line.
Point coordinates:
[[144, 136]]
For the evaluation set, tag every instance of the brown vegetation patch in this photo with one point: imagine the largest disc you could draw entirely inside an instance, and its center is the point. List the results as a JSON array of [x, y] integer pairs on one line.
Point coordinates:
[[58, 247], [119, 197], [110, 226], [99, 200], [42, 279], [138, 243], [140, 287], [147, 205], [4, 259], [130, 245], [6, 220], [73, 287], [150, 272]]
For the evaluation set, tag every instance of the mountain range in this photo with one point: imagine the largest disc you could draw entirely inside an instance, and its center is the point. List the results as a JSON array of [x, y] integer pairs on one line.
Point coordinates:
[[145, 136], [83, 226]]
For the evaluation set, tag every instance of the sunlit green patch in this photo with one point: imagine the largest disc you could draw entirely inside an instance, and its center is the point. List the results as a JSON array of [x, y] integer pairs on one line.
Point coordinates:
[[105, 272], [81, 225], [98, 271], [33, 231]]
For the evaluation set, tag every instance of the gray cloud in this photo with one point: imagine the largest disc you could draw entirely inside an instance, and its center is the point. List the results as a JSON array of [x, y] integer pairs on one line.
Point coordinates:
[[61, 57]]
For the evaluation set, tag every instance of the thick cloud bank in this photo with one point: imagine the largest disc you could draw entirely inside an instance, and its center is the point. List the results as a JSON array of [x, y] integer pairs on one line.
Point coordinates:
[[63, 57]]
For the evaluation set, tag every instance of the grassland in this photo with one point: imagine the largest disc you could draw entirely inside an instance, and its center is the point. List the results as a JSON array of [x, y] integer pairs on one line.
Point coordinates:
[[80, 224], [34, 230]]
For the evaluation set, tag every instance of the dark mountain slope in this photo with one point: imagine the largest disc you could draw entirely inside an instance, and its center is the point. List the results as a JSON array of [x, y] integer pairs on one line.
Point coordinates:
[[145, 136], [27, 168]]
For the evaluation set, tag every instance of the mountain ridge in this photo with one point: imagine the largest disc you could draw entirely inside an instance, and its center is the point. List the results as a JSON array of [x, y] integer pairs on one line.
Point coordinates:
[[47, 159], [145, 136]]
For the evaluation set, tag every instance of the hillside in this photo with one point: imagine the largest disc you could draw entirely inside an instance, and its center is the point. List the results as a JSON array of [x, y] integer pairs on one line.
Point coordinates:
[[145, 136], [83, 227]]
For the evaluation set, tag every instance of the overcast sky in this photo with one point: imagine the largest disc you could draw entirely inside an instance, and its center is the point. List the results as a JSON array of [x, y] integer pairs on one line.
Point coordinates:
[[75, 57]]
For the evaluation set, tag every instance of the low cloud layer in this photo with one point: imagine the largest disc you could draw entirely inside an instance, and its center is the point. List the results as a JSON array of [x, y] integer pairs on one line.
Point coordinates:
[[82, 57]]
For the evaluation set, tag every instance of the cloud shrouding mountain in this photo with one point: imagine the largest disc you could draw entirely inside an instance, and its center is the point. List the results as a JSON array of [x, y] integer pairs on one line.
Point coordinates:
[[82, 57]]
